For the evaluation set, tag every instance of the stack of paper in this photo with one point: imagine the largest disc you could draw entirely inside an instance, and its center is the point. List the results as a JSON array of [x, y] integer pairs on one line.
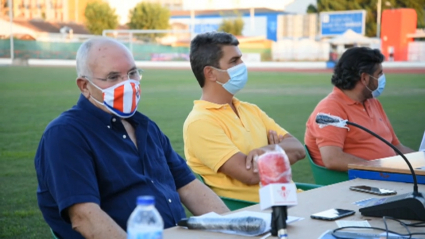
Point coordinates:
[[422, 147]]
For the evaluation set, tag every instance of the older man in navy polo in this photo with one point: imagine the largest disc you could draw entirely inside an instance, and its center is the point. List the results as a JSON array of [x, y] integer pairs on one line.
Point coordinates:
[[96, 158]]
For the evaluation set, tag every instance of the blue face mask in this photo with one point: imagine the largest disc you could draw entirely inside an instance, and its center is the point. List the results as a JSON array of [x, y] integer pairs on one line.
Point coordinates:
[[238, 78], [381, 86]]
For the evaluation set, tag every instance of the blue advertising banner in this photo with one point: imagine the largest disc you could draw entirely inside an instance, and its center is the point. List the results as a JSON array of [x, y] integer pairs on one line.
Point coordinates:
[[336, 23], [202, 28]]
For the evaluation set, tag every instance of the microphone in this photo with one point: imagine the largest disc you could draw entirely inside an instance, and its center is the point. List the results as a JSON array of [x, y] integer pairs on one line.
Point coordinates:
[[410, 206], [277, 191]]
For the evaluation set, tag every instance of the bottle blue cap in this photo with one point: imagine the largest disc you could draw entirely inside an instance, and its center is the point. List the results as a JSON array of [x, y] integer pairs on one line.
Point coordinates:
[[145, 200]]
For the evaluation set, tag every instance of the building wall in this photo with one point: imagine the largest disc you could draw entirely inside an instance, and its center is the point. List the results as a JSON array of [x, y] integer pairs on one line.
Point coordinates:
[[278, 5], [396, 25], [170, 4], [49, 10], [76, 10], [298, 26]]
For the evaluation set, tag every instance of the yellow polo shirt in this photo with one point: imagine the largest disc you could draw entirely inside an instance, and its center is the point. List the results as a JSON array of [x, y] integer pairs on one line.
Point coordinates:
[[213, 133]]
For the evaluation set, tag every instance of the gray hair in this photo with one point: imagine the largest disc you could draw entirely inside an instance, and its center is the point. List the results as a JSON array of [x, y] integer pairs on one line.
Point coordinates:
[[82, 57], [205, 50]]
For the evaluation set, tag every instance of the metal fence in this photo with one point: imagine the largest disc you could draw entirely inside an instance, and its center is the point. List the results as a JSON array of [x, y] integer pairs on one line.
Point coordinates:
[[67, 50]]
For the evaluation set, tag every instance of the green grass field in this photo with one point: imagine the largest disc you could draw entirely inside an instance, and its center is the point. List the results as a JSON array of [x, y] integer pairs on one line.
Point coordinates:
[[32, 97]]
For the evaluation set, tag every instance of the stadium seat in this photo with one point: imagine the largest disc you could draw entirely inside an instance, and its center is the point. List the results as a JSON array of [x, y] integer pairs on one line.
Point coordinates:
[[324, 176], [53, 234], [307, 186], [231, 203]]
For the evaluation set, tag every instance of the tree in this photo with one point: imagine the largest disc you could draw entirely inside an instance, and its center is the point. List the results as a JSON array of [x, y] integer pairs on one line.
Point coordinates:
[[100, 16], [371, 9], [232, 26], [311, 9], [148, 16]]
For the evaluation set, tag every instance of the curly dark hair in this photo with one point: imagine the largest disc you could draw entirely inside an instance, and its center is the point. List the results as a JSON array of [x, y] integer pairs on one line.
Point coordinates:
[[353, 63], [205, 50]]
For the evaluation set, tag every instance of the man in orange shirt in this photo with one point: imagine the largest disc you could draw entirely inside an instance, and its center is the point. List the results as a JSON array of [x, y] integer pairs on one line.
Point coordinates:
[[358, 79]]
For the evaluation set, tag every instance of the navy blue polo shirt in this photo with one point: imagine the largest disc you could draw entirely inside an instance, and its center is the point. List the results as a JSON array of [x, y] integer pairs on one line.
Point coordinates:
[[86, 155]]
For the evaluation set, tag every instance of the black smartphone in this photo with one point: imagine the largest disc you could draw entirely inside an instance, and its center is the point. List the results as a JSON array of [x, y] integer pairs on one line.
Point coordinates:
[[373, 190], [332, 214]]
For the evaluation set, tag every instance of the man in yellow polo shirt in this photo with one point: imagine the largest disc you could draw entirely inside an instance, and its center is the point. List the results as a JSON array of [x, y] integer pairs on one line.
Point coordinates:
[[223, 135]]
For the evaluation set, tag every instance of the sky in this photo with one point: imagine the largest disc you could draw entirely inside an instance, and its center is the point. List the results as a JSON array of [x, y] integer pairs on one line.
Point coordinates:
[[299, 6], [123, 6]]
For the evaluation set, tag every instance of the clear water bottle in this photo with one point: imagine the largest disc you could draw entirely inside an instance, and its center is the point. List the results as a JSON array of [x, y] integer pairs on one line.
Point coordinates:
[[145, 222]]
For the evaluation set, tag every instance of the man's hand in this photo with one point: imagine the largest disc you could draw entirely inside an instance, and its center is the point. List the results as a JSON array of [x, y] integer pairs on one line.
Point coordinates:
[[251, 159], [244, 168], [274, 138], [252, 156]]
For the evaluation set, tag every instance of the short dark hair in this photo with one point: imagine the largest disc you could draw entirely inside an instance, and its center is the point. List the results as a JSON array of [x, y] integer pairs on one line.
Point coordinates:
[[206, 50], [353, 63]]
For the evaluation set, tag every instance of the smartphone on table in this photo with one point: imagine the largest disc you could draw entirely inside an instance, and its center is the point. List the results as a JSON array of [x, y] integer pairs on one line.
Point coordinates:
[[373, 190], [332, 214]]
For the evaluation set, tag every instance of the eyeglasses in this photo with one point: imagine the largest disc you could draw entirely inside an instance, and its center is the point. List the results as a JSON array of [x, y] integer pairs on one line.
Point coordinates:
[[133, 75]]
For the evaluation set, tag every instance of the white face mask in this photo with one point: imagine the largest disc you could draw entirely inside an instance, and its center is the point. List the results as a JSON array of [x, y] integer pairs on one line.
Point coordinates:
[[121, 99], [381, 86]]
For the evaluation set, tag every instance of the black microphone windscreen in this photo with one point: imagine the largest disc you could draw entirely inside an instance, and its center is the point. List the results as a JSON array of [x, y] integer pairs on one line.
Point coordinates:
[[326, 119]]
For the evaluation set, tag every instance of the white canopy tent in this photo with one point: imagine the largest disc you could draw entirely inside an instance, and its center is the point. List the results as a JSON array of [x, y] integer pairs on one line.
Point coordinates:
[[351, 38]]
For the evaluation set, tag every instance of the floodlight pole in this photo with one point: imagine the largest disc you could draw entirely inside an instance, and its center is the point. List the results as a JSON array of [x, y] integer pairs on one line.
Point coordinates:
[[378, 19], [76, 11], [192, 24], [130, 43], [9, 3], [252, 18]]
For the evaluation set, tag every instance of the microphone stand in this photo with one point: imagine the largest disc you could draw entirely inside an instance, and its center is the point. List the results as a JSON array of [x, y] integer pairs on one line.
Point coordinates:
[[410, 206], [279, 216], [415, 181]]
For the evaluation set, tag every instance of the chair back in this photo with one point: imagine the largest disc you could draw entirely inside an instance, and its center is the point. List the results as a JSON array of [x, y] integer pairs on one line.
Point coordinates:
[[231, 203], [324, 176], [235, 204], [307, 186], [53, 234]]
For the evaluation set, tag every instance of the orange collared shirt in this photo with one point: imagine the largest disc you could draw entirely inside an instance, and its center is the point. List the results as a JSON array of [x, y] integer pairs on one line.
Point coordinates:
[[353, 141]]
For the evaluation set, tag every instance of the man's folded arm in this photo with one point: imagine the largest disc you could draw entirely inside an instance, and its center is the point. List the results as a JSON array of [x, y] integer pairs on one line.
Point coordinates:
[[404, 149], [293, 148], [335, 159], [236, 168], [244, 168]]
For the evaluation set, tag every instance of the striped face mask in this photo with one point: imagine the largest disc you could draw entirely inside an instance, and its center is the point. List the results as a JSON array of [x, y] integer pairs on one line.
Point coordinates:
[[121, 99]]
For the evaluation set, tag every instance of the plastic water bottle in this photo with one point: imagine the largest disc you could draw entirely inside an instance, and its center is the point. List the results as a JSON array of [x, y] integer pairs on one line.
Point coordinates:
[[145, 222]]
